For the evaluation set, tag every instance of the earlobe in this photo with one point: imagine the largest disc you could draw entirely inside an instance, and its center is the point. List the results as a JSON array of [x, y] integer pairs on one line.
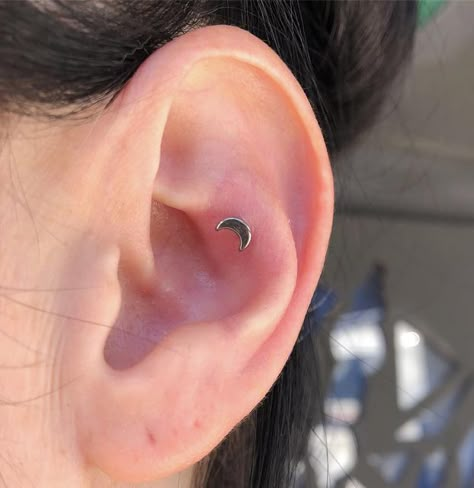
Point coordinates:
[[202, 330]]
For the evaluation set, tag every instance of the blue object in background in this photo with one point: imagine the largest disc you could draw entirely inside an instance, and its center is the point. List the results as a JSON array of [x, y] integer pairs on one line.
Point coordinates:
[[369, 295], [358, 333], [433, 470], [433, 421], [466, 460], [348, 381], [346, 392]]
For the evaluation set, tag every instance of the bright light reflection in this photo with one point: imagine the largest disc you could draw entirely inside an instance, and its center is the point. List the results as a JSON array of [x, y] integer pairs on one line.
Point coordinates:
[[410, 339]]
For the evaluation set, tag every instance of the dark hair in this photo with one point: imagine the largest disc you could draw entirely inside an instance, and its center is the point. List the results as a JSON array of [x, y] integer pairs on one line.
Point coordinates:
[[62, 57]]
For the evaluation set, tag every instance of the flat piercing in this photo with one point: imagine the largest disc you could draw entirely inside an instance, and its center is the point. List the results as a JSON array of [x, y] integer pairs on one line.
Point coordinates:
[[239, 227]]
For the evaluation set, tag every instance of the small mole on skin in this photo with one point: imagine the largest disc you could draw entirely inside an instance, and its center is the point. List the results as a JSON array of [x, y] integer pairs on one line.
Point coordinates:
[[151, 437]]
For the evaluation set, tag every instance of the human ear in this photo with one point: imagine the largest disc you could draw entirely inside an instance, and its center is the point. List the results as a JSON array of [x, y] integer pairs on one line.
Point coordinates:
[[212, 125]]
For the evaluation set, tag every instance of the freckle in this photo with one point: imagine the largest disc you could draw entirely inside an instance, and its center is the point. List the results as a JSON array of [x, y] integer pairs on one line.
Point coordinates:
[[151, 437]]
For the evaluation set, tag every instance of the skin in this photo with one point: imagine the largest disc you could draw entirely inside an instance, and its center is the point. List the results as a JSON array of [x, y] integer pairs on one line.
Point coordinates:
[[133, 336]]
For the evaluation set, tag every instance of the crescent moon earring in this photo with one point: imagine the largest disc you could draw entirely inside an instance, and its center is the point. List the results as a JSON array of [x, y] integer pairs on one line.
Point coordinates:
[[239, 227]]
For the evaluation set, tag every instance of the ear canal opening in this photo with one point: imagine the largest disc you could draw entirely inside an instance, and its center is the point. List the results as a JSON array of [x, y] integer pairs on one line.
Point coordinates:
[[189, 285]]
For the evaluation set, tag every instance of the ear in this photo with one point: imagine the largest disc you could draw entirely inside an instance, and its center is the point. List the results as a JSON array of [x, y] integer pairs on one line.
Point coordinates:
[[213, 125]]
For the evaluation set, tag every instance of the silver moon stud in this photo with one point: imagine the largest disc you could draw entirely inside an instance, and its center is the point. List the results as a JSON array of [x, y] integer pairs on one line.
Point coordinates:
[[239, 227]]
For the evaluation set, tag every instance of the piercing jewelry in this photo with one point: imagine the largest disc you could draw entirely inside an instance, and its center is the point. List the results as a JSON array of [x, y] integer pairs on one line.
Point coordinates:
[[239, 227]]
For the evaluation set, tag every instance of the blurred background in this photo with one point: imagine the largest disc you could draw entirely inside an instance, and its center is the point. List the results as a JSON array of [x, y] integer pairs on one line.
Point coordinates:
[[399, 401]]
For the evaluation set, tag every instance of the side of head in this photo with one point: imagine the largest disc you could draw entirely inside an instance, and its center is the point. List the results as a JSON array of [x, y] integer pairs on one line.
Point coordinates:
[[135, 337]]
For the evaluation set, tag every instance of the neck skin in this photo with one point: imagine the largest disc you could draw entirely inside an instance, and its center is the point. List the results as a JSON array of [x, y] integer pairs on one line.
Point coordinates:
[[46, 212]]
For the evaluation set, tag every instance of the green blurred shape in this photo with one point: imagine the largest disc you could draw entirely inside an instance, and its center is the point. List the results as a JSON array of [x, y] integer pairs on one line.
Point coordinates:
[[427, 9]]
